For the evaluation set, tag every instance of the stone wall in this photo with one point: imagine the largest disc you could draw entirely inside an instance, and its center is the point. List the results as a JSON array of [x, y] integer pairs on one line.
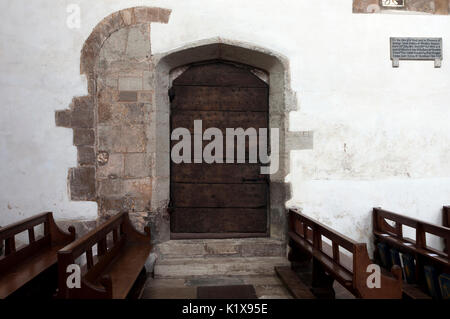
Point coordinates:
[[380, 134], [122, 132], [115, 158], [440, 7]]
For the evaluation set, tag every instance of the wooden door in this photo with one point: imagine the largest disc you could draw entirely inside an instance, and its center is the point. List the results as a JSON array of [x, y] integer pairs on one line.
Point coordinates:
[[218, 200]]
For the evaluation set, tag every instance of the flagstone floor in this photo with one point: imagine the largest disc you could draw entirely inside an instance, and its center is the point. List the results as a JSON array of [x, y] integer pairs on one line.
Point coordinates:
[[267, 287]]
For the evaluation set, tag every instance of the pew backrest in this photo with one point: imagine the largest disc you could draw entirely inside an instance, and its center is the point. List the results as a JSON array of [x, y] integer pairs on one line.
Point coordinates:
[[108, 239], [446, 217], [446, 223], [51, 236], [345, 259], [388, 227]]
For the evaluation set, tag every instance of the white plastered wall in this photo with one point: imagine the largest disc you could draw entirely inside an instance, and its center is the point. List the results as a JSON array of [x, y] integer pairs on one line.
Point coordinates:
[[381, 135]]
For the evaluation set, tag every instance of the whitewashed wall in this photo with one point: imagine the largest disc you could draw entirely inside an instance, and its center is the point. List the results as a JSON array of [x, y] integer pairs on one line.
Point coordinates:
[[381, 134]]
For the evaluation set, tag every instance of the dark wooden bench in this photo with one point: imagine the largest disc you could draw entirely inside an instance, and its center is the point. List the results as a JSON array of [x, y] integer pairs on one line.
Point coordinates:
[[116, 269], [341, 259], [388, 230], [446, 223], [20, 265]]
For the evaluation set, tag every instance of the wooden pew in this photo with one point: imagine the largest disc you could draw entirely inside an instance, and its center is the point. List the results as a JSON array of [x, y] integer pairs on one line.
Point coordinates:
[[446, 223], [19, 266], [446, 217], [424, 256], [117, 266], [331, 263]]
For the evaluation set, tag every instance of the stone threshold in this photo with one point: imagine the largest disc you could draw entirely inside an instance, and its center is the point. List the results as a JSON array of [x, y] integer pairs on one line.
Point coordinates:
[[210, 248]]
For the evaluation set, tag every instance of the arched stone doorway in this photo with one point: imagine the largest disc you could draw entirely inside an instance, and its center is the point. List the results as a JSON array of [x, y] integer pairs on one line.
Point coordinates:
[[121, 129], [217, 189], [281, 102]]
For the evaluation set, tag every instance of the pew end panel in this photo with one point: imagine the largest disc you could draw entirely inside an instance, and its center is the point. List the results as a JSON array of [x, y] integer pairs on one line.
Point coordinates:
[[390, 287], [446, 217], [446, 223], [388, 230], [337, 257], [20, 265], [111, 257]]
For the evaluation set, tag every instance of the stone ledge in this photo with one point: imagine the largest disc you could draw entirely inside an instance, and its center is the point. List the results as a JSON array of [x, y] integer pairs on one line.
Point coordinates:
[[240, 266], [208, 248], [437, 7]]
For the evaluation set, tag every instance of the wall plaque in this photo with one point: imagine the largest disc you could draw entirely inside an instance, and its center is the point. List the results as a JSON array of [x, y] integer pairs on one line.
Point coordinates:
[[416, 49]]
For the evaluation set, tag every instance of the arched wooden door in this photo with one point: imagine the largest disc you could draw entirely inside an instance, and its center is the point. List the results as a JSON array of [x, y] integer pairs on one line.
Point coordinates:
[[219, 200]]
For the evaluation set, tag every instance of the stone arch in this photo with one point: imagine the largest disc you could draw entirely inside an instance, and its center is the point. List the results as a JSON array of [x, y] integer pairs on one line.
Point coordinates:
[[95, 178], [281, 101], [112, 23], [121, 128]]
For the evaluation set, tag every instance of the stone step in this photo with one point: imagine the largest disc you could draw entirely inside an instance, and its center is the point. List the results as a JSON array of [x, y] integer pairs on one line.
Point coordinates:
[[219, 266], [200, 248]]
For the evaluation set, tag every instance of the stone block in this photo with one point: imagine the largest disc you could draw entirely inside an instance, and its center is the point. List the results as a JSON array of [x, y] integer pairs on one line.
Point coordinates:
[[159, 222], [363, 6], [109, 138], [129, 113], [164, 15], [223, 249], [263, 249], [134, 113], [124, 203], [128, 96], [113, 168], [127, 16], [217, 266], [148, 80], [161, 191], [151, 14], [104, 112], [141, 187], [114, 47], [138, 46], [107, 95], [108, 81], [63, 118], [110, 187], [130, 83], [82, 112], [145, 97], [442, 6], [82, 184], [122, 113], [120, 204], [83, 137], [421, 6], [86, 156], [122, 139], [137, 165], [129, 68]]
